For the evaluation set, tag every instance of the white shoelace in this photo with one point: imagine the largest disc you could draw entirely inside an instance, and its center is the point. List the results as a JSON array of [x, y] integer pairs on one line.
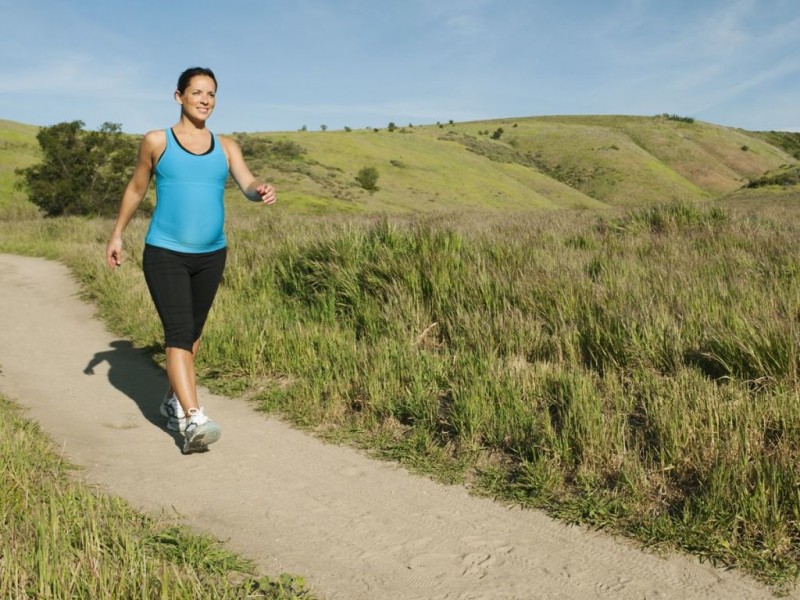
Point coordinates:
[[197, 417]]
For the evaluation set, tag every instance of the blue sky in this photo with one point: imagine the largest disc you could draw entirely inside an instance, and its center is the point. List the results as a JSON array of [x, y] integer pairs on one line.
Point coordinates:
[[359, 63]]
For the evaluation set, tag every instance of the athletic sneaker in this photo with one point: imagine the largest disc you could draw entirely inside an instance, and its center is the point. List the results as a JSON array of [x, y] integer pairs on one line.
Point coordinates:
[[200, 432], [172, 409]]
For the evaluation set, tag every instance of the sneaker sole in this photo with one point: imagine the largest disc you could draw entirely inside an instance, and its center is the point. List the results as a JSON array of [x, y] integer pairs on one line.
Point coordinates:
[[208, 434]]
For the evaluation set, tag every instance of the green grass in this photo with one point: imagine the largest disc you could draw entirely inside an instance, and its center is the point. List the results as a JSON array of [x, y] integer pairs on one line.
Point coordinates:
[[538, 162], [418, 172], [602, 160], [65, 540], [626, 161], [632, 370], [18, 149], [788, 141]]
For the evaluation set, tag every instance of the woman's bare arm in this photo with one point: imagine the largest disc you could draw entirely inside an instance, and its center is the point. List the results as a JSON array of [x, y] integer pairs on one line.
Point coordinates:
[[152, 145]]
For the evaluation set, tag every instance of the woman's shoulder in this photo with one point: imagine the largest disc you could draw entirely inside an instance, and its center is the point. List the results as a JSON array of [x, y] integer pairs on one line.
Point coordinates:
[[226, 141], [229, 145], [156, 136], [155, 139], [153, 145]]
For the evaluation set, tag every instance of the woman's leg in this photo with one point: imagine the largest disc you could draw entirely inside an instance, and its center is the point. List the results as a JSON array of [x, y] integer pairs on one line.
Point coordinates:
[[183, 287], [181, 370], [168, 277], [205, 274]]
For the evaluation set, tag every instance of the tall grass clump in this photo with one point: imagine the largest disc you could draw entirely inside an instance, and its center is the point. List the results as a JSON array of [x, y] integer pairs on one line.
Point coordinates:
[[63, 540], [643, 378], [636, 371]]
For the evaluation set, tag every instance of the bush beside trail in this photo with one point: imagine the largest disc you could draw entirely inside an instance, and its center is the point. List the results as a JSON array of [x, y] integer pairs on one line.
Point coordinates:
[[81, 172]]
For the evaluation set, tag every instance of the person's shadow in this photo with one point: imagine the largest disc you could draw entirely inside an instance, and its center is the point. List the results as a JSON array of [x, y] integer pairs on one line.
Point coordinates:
[[134, 374]]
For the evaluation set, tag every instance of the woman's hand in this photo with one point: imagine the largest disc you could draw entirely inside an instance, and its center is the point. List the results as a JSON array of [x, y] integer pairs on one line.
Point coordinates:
[[253, 190], [114, 252], [267, 193]]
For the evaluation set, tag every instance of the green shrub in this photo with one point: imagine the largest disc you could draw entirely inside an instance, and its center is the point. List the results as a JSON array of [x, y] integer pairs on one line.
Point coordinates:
[[788, 176], [82, 172], [259, 148], [367, 178], [678, 118], [287, 149]]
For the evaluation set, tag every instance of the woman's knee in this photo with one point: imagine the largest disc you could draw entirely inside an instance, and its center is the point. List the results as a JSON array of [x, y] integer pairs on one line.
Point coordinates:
[[182, 342]]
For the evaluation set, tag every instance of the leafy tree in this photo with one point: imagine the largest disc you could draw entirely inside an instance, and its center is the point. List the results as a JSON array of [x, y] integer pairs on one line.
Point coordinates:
[[392, 126], [367, 177], [82, 172], [323, 127], [497, 133]]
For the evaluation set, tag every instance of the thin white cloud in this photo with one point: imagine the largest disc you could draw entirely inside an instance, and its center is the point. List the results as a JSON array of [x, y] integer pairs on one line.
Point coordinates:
[[465, 25], [725, 28], [725, 93], [727, 51], [56, 76], [75, 74], [457, 21]]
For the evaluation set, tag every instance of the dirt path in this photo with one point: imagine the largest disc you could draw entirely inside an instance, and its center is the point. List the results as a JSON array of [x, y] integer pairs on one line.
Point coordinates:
[[356, 528]]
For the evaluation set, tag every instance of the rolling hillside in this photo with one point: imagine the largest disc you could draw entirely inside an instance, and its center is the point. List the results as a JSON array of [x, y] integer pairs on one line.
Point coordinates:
[[505, 164], [18, 148]]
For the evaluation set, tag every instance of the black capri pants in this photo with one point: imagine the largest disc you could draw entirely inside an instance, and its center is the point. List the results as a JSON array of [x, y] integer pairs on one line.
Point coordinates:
[[183, 287]]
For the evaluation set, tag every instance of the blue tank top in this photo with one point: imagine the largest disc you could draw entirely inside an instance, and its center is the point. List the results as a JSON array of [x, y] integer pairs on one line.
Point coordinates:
[[190, 212]]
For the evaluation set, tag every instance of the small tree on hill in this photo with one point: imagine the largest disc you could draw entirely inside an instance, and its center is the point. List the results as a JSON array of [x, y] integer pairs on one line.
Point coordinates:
[[367, 178], [82, 172]]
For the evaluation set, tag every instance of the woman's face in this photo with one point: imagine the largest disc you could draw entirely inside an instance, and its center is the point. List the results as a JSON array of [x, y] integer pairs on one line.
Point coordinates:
[[199, 97]]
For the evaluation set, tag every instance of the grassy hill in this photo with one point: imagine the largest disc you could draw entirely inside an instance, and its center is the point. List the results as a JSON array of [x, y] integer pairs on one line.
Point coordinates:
[[537, 162], [505, 164], [18, 148]]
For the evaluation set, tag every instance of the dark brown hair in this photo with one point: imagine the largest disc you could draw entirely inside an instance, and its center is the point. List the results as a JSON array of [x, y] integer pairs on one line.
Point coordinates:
[[186, 77]]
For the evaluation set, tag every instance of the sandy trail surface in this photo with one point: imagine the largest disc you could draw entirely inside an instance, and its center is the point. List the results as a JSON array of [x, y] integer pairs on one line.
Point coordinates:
[[354, 527]]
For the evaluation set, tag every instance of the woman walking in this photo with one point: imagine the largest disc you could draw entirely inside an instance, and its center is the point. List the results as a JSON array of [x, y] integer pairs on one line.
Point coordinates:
[[185, 245]]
